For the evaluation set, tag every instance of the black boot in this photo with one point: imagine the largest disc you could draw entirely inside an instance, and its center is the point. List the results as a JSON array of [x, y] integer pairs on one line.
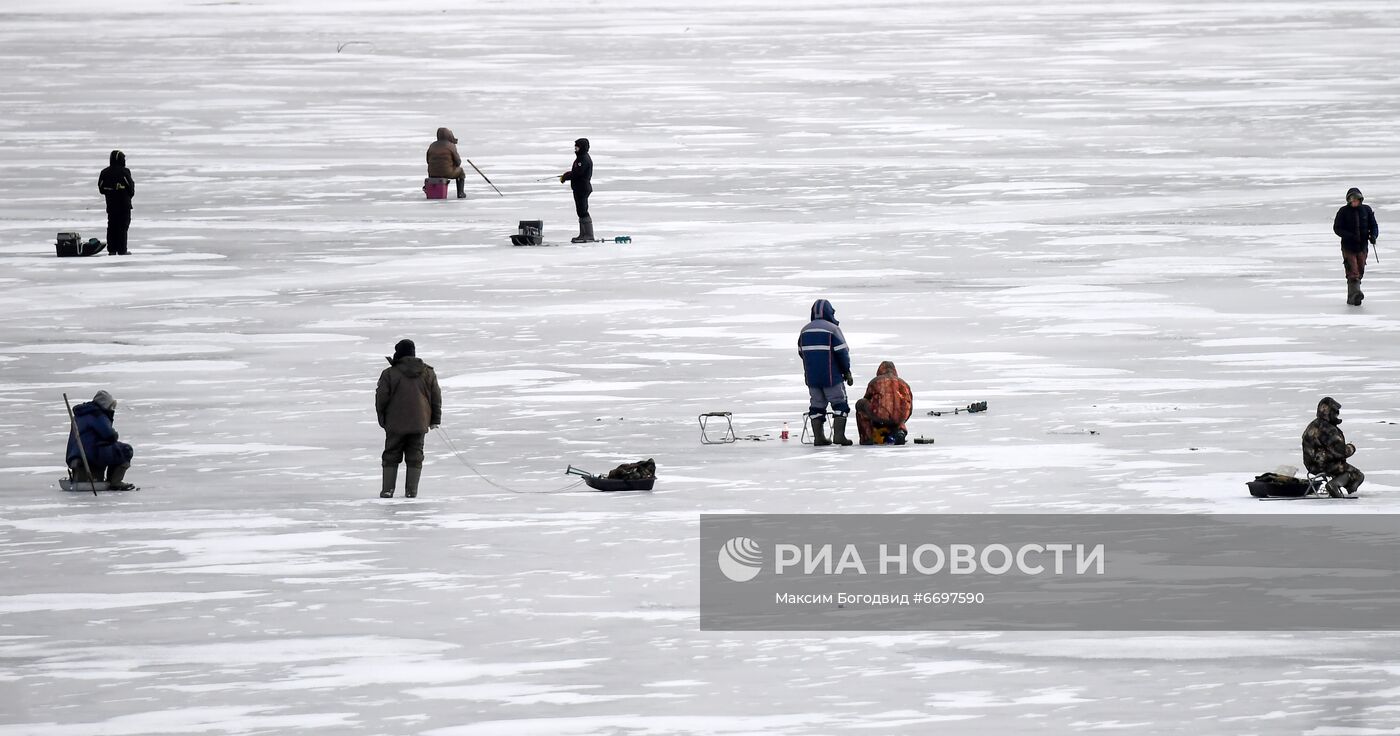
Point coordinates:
[[1359, 295], [1353, 290], [114, 478], [391, 476], [819, 432], [410, 481], [838, 432], [585, 230]]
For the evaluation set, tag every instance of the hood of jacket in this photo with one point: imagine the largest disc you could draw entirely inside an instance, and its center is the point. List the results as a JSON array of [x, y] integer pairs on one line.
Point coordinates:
[[822, 309], [409, 365], [1354, 192], [1328, 410], [117, 159], [445, 135], [582, 145], [89, 409], [887, 369]]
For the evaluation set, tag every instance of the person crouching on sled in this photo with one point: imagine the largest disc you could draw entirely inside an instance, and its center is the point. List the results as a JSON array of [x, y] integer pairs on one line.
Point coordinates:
[[106, 455]]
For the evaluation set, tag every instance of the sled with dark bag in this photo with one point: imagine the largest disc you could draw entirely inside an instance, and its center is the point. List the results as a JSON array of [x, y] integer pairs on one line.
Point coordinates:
[[528, 232], [1276, 487], [71, 245], [603, 483]]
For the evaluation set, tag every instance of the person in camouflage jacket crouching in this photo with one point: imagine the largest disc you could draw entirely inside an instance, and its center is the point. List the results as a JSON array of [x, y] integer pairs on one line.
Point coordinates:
[[1325, 450]]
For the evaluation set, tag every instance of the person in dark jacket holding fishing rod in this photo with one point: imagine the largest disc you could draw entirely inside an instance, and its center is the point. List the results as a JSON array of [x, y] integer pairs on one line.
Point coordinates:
[[1355, 224], [409, 403], [116, 185], [580, 179], [106, 455]]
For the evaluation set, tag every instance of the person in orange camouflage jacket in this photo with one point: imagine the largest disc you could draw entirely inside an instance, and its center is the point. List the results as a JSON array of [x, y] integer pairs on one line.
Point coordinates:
[[888, 404]]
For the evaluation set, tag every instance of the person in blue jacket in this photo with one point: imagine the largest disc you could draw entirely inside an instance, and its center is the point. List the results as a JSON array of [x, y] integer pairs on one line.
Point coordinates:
[[826, 362], [105, 453], [1355, 224]]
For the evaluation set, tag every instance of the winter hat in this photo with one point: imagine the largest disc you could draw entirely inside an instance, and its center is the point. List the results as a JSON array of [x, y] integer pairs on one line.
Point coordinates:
[[117, 158], [104, 400], [404, 349], [1354, 192]]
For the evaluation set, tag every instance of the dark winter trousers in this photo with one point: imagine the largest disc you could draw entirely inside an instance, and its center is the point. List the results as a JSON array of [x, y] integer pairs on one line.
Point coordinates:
[[1355, 264], [821, 396], [401, 447], [581, 203], [118, 221]]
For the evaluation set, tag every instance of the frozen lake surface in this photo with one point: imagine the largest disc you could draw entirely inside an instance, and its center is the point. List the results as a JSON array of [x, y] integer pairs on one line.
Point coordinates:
[[1110, 222]]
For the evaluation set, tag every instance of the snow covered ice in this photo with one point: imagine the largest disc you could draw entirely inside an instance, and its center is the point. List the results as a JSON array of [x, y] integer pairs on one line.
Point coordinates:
[[1109, 221]]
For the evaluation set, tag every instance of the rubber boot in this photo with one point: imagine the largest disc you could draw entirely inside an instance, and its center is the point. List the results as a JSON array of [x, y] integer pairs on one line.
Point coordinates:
[[1359, 295], [391, 476], [114, 478], [585, 230], [838, 432], [410, 481], [462, 187], [819, 432], [1353, 288]]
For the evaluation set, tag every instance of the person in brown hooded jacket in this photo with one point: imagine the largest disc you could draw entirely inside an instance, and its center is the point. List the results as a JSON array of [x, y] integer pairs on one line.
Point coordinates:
[[445, 163], [888, 404], [1325, 450], [409, 403]]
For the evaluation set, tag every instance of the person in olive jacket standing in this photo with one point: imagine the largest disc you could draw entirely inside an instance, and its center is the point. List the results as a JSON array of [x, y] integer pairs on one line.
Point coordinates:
[[1355, 224], [580, 178], [409, 403], [116, 185]]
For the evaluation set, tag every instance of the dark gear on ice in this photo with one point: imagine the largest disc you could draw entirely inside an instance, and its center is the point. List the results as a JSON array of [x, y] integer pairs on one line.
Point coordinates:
[[445, 163], [107, 457], [826, 362], [580, 179], [1355, 224], [116, 185], [1325, 450], [888, 404], [409, 403]]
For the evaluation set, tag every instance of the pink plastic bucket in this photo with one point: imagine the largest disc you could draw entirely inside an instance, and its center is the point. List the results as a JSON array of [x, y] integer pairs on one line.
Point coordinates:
[[435, 188]]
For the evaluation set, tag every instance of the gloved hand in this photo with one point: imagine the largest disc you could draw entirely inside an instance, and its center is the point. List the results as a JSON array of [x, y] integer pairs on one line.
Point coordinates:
[[1351, 449], [849, 380], [561, 178], [1373, 241]]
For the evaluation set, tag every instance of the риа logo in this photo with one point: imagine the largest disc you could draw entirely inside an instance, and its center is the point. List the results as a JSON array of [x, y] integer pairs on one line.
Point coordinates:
[[740, 559]]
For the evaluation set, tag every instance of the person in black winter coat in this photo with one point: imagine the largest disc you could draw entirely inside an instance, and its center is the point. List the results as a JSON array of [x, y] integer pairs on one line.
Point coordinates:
[[408, 402], [580, 179], [102, 451], [116, 185], [1355, 224]]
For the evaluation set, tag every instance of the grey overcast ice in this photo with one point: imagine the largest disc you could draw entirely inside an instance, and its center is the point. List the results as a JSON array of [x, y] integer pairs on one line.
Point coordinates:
[[1109, 221]]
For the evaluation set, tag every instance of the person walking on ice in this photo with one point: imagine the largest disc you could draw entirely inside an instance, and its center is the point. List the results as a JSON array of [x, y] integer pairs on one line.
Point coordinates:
[[1355, 224], [409, 403], [580, 178], [826, 362]]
